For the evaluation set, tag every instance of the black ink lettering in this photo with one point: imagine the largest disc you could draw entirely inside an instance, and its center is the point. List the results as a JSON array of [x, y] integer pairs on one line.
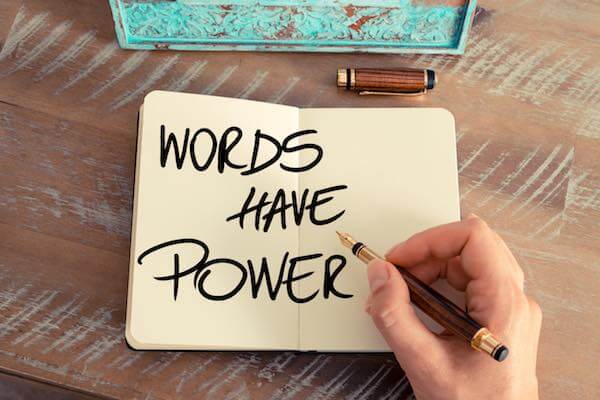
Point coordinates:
[[225, 149], [206, 272], [306, 146], [255, 281], [247, 209], [291, 279], [299, 208], [177, 274], [213, 149], [261, 204], [329, 281], [279, 206], [258, 137], [203, 268], [165, 148], [315, 203], [223, 146]]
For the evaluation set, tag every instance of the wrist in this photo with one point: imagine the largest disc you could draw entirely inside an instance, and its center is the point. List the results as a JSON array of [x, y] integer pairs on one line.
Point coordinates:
[[533, 390], [527, 391]]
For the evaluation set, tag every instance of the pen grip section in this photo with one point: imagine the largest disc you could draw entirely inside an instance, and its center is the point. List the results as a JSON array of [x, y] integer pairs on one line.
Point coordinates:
[[440, 308], [399, 81]]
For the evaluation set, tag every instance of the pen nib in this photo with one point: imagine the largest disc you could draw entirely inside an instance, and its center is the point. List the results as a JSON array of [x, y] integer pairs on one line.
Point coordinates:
[[346, 239]]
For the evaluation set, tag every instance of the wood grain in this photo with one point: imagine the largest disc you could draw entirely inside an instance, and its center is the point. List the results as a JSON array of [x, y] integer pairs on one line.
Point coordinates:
[[526, 98], [17, 388], [412, 81]]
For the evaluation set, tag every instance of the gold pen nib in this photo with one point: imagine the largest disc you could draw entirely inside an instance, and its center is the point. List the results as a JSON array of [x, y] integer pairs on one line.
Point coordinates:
[[346, 239]]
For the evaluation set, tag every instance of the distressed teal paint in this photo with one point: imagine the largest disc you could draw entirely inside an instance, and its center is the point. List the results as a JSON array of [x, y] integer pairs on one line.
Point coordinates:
[[401, 26]]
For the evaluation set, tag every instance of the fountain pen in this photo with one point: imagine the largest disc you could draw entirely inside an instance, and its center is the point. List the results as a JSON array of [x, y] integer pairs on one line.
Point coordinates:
[[435, 305]]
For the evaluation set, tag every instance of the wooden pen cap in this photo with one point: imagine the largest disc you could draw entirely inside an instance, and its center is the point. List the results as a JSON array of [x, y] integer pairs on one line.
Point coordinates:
[[387, 81]]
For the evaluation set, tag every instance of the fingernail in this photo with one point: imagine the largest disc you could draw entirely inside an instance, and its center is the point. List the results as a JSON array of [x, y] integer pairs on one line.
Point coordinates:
[[471, 216], [378, 274]]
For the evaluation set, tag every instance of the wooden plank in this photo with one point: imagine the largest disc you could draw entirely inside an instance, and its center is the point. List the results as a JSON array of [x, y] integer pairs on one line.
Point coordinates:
[[579, 222], [10, 12], [526, 97], [77, 184], [16, 388]]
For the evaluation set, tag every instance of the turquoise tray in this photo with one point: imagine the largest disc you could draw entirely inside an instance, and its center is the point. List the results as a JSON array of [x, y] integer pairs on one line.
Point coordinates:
[[376, 26]]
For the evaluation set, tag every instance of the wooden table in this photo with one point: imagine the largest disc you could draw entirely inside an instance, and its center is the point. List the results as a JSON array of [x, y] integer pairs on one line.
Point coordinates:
[[526, 97]]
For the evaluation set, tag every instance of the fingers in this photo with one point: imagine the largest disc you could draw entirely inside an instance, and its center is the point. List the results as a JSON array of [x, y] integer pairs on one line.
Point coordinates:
[[455, 275], [473, 258], [482, 253], [451, 270], [389, 306]]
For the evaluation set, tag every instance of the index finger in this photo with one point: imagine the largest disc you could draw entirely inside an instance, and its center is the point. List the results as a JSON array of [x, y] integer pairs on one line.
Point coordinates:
[[472, 239]]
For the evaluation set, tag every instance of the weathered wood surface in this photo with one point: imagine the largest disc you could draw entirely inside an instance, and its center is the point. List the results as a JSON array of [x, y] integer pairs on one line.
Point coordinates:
[[13, 387], [527, 103]]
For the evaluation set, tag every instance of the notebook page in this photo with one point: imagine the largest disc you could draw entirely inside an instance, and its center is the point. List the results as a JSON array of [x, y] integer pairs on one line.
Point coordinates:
[[400, 169], [191, 206]]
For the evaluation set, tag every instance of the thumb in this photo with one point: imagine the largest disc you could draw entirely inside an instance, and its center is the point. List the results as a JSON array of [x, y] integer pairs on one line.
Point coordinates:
[[389, 306]]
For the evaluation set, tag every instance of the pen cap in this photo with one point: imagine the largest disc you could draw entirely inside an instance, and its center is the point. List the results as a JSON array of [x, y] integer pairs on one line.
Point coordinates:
[[403, 80]]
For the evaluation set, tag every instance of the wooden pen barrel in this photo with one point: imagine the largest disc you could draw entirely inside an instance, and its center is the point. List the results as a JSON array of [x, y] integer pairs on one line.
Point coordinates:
[[439, 308], [404, 80]]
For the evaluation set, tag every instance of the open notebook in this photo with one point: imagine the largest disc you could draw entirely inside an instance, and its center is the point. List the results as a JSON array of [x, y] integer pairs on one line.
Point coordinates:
[[235, 211]]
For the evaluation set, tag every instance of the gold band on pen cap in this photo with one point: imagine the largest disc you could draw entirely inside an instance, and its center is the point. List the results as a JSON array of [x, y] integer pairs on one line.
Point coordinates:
[[342, 78], [346, 78], [486, 342]]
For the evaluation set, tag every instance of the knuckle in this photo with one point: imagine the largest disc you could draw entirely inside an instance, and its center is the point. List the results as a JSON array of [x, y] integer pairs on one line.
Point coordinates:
[[521, 302], [415, 241], [513, 301], [535, 309], [519, 276]]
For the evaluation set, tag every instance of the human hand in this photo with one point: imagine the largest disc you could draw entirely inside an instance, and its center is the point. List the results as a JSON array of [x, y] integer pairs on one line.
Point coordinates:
[[473, 259]]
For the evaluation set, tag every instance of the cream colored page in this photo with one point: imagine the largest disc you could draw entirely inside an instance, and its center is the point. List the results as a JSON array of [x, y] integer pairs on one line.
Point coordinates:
[[173, 204], [400, 169]]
